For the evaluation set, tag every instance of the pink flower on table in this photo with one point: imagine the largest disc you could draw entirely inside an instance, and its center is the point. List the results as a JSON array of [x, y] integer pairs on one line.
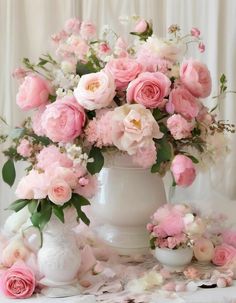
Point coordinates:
[[183, 170], [72, 26], [89, 189], [195, 32], [37, 121], [51, 156], [145, 157], [184, 102], [173, 224], [95, 90], [172, 243], [133, 126], [123, 70], [141, 26], [63, 120], [14, 251], [148, 89], [224, 254], [18, 282], [24, 148], [162, 213], [159, 232], [179, 127], [33, 92], [229, 237], [201, 47], [196, 78], [59, 191], [87, 30], [203, 250]]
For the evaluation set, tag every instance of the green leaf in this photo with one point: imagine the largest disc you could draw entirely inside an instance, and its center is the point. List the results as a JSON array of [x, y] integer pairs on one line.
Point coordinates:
[[82, 201], [83, 69], [32, 206], [18, 205], [84, 218], [152, 243], [155, 168], [58, 212], [17, 133], [195, 160], [78, 201], [157, 114], [164, 153], [52, 98], [42, 217], [95, 166], [9, 172], [41, 139]]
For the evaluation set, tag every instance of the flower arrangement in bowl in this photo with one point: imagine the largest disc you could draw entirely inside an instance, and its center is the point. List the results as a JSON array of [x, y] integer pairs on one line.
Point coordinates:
[[173, 230]]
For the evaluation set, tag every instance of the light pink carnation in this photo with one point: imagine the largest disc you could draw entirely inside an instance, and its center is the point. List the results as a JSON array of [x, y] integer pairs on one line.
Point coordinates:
[[184, 102], [145, 157], [179, 127], [123, 70], [63, 120], [24, 148], [37, 121], [223, 254], [89, 189], [87, 30], [72, 26], [196, 78], [183, 170]]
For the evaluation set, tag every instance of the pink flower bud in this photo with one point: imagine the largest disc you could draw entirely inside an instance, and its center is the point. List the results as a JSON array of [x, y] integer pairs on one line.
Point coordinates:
[[201, 47], [195, 32], [141, 26]]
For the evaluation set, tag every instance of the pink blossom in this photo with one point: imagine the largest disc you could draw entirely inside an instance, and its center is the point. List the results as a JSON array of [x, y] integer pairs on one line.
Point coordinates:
[[95, 90], [63, 120], [145, 157], [148, 89], [104, 48], [159, 232], [173, 224], [196, 78], [59, 37], [37, 121], [162, 213], [88, 190], [19, 73], [72, 26], [14, 251], [195, 32], [183, 170], [63, 173], [201, 47], [172, 243], [123, 70], [18, 282], [170, 108], [149, 227], [33, 92], [179, 127], [87, 30], [229, 237], [24, 148], [141, 26], [203, 250], [223, 254], [59, 191], [184, 102]]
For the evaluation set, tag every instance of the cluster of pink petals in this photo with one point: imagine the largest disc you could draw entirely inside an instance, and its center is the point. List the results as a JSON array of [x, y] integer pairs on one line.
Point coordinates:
[[183, 170], [24, 148]]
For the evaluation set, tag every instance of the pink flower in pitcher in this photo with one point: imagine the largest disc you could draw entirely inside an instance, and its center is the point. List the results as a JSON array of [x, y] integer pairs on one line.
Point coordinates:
[[145, 157], [141, 26], [87, 30], [72, 26], [223, 254], [179, 127], [37, 121], [183, 170], [173, 224], [24, 148], [59, 192]]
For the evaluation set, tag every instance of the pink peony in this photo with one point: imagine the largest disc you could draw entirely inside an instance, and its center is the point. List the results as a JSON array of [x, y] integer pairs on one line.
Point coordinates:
[[148, 89], [37, 121], [72, 26], [173, 224], [63, 120], [183, 170], [145, 157], [229, 237], [203, 250], [66, 174], [196, 78], [95, 90], [123, 70], [179, 127], [89, 189], [133, 127], [162, 213], [18, 282], [195, 32], [24, 148], [59, 191], [87, 30], [184, 103], [33, 92], [223, 254], [141, 26], [51, 156]]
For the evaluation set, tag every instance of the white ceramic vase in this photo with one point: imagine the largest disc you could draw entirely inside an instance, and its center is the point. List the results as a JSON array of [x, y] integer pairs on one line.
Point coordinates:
[[174, 259], [128, 196]]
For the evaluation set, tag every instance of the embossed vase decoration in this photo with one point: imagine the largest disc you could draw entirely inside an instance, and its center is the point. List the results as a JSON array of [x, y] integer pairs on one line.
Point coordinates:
[[128, 196]]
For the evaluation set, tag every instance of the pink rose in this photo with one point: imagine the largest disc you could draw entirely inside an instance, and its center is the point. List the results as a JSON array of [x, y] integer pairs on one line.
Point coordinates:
[[123, 70], [18, 282], [87, 30], [196, 77], [24, 148], [72, 26], [203, 250], [145, 157], [148, 89], [184, 103], [95, 90], [229, 237], [141, 26], [179, 127], [173, 224], [33, 92], [183, 170], [223, 254], [195, 32], [37, 121], [59, 191], [133, 127], [63, 120]]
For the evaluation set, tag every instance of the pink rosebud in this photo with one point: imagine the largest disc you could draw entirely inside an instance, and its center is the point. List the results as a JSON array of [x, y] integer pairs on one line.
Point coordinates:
[[183, 170], [141, 26], [87, 30], [201, 47], [59, 192], [72, 26], [195, 32], [24, 148], [19, 73], [170, 108], [223, 254]]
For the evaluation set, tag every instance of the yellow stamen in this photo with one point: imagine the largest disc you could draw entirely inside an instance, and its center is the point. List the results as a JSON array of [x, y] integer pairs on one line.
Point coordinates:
[[93, 85]]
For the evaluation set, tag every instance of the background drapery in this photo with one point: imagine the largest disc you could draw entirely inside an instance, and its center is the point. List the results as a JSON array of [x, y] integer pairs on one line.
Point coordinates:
[[26, 25]]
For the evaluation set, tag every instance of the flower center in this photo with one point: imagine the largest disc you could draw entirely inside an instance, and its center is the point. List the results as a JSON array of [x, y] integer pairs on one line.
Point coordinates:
[[136, 123], [93, 85]]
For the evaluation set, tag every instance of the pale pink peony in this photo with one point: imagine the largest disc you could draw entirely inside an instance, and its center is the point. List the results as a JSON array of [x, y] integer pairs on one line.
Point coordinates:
[[183, 170], [13, 252], [203, 250], [195, 32], [133, 127], [141, 26], [123, 70], [51, 156], [223, 254], [89, 189], [148, 89], [59, 191], [196, 78], [63, 120], [145, 157], [179, 127], [162, 213], [24, 148], [33, 92], [87, 30], [72, 26], [229, 237], [18, 282], [66, 174], [95, 90], [173, 224], [184, 103], [37, 121]]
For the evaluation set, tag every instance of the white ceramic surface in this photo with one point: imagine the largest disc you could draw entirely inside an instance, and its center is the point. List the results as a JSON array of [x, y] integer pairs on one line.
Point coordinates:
[[128, 196], [174, 259]]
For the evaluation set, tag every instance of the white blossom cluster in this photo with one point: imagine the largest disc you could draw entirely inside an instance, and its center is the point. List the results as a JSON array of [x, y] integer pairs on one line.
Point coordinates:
[[75, 153]]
